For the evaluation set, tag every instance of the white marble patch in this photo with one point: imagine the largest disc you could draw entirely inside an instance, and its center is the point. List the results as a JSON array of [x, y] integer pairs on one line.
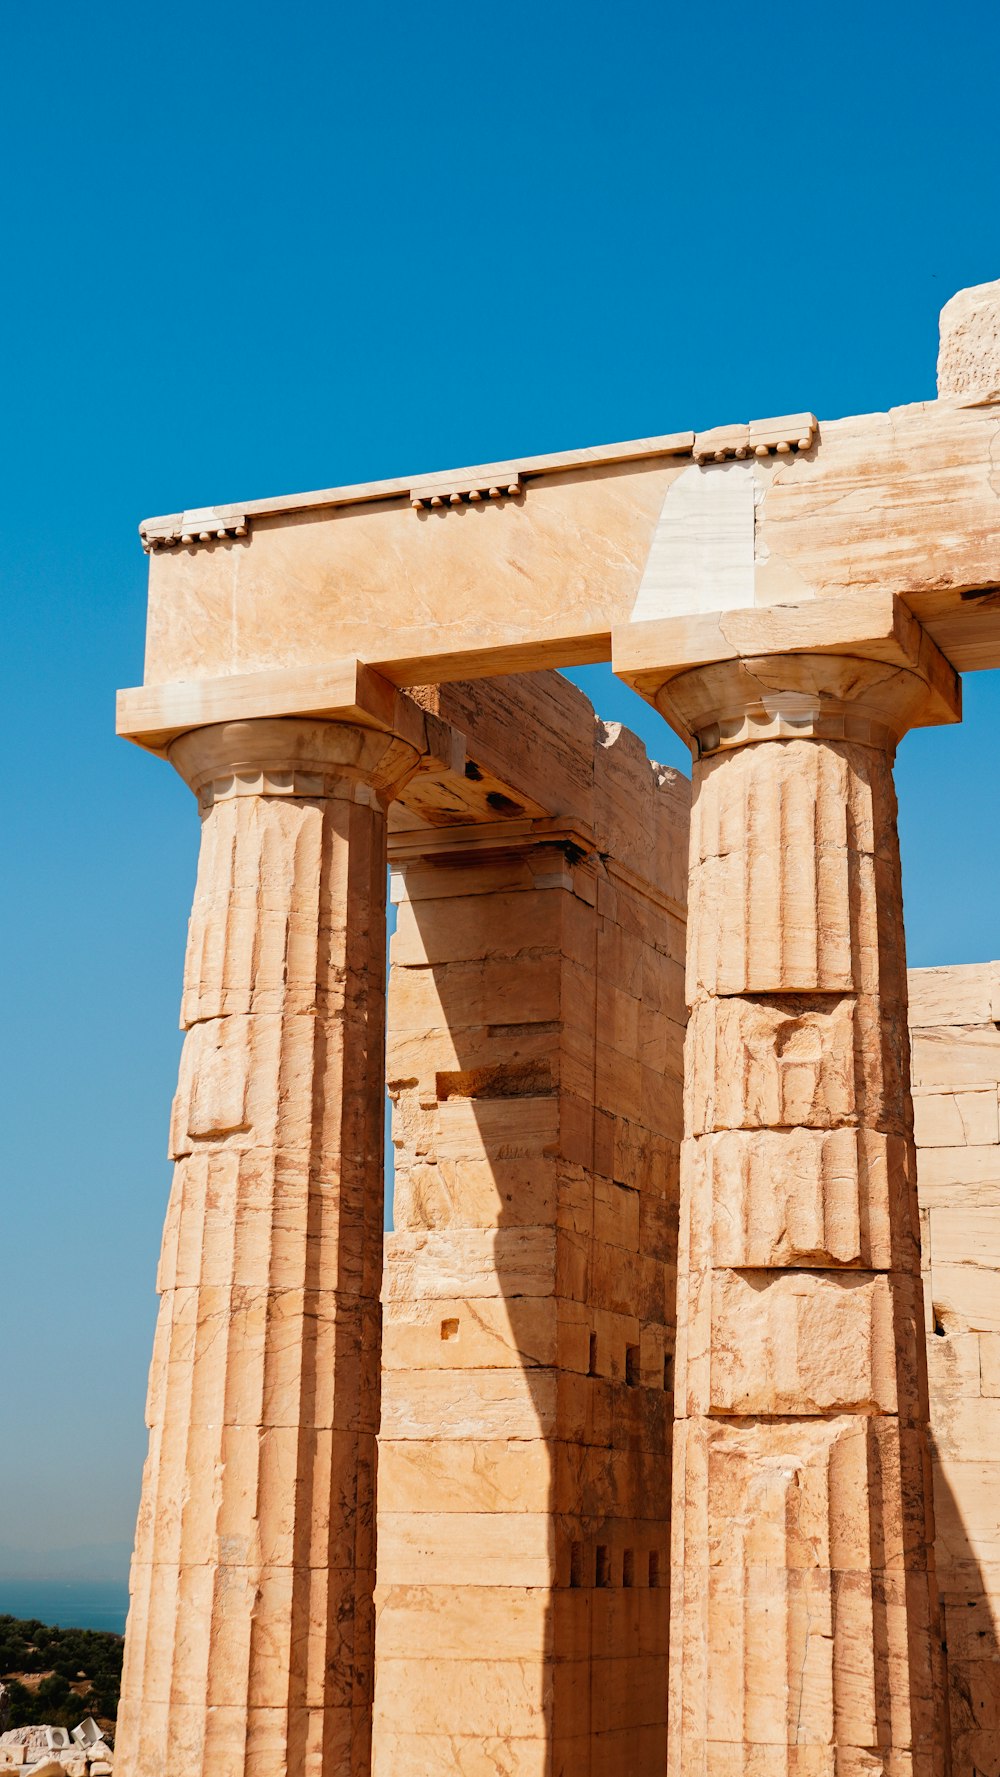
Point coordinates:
[[702, 554]]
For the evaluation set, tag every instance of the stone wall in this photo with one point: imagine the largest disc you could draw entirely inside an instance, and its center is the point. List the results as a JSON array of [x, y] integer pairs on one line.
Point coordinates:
[[535, 1052], [956, 1073], [536, 1018]]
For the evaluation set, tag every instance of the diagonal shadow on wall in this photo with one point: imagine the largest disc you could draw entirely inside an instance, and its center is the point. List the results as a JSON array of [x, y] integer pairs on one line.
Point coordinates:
[[967, 1518], [535, 1064]]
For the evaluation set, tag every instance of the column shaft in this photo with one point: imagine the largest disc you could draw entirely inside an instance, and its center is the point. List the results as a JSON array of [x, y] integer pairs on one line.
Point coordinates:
[[250, 1635], [804, 1632]]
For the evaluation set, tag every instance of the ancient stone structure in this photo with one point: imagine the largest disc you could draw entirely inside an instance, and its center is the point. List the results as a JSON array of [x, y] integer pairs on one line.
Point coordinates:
[[251, 1630], [535, 1056], [804, 1602], [793, 597]]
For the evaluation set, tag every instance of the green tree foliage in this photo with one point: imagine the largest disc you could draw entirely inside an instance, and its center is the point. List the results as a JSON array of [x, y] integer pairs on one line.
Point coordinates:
[[88, 1659]]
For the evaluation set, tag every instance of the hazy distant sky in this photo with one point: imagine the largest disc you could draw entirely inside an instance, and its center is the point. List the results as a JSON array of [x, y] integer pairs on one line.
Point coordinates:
[[250, 250]]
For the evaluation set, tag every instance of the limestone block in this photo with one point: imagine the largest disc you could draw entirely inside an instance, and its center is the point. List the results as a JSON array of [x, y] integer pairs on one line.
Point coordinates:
[[474, 1548], [596, 1482], [474, 1755], [808, 1342], [967, 1175], [965, 1248], [801, 1197], [788, 857], [968, 371], [428, 999], [574, 1207], [432, 1193], [472, 1405], [484, 1063], [989, 1363], [432, 879], [471, 1263], [482, 1334], [955, 1057], [461, 1622], [794, 1061], [967, 1510], [956, 1119], [954, 1366], [961, 993], [433, 933], [968, 1430], [465, 1475], [484, 1129], [492, 1695], [961, 1235]]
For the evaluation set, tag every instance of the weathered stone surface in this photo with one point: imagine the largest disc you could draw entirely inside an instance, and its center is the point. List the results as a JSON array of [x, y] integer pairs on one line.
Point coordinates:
[[804, 1623], [969, 358], [531, 1287], [606, 538], [250, 1635], [534, 1058], [958, 1176]]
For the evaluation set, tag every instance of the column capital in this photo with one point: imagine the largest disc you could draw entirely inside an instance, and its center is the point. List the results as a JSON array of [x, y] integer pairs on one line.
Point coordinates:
[[859, 668], [292, 756]]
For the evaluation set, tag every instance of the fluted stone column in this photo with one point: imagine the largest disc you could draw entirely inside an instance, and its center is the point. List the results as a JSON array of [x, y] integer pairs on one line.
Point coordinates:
[[805, 1639], [250, 1636]]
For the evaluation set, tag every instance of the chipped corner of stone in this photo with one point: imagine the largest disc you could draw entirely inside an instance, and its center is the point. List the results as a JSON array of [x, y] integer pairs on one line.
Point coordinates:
[[968, 368]]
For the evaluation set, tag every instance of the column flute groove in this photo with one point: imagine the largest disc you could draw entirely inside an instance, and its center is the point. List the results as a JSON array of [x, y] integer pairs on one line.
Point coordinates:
[[805, 1635], [250, 1636]]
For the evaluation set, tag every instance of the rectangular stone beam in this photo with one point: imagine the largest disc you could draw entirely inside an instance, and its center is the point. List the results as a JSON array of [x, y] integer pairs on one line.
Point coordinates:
[[506, 748], [902, 501], [531, 563]]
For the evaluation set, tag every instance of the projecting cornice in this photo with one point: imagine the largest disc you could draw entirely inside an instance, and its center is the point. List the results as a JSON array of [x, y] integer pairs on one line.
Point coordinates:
[[496, 482]]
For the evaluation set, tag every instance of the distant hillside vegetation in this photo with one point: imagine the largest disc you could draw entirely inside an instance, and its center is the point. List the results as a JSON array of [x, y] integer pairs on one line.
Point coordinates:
[[57, 1676]]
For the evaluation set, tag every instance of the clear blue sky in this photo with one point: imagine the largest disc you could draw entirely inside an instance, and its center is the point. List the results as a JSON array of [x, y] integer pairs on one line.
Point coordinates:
[[251, 250]]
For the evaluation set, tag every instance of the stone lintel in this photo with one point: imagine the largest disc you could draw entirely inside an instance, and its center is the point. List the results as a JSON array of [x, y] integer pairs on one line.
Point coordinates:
[[342, 691], [531, 563], [513, 749]]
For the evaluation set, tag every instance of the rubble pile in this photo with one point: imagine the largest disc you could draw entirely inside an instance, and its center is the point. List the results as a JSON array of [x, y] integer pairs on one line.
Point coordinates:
[[55, 1752]]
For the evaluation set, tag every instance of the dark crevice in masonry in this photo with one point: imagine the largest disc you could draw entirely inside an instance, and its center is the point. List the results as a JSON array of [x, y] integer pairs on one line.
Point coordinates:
[[511, 1079]]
